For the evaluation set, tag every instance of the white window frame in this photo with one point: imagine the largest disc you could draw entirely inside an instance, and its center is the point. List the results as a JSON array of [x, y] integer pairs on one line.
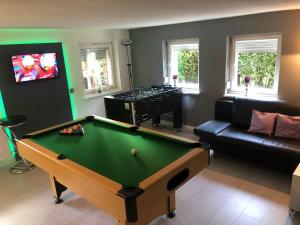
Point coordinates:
[[232, 65], [113, 88], [189, 88]]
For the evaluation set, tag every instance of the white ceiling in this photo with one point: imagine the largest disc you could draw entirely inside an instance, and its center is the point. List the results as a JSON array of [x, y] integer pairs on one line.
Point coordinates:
[[110, 14]]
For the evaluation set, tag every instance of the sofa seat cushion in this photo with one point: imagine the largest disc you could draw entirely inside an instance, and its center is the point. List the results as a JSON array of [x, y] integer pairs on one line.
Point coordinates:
[[240, 136], [209, 130], [282, 144]]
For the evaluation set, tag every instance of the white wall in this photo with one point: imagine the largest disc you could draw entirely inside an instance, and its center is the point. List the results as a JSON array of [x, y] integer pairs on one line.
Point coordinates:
[[70, 39]]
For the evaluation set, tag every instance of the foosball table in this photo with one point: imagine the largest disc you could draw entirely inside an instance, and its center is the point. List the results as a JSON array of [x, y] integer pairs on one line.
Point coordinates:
[[142, 104]]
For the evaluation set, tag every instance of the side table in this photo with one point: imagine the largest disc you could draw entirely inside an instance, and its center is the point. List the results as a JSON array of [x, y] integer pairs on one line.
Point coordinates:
[[295, 192]]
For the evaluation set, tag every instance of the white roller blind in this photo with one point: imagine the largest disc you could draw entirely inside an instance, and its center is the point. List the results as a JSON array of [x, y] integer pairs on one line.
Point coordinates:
[[262, 45]]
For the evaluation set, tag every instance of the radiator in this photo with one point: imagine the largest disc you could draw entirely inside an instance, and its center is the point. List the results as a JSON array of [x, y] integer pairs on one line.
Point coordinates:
[[4, 146]]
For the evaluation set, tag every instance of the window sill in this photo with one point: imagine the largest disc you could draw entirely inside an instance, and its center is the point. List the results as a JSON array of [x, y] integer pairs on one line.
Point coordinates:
[[190, 92], [186, 90], [253, 96], [97, 95]]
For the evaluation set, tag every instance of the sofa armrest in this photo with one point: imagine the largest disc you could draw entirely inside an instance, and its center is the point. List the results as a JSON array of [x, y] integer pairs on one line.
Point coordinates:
[[209, 130]]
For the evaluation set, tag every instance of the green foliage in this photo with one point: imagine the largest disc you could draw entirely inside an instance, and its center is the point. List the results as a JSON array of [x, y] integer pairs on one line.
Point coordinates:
[[260, 67], [188, 65]]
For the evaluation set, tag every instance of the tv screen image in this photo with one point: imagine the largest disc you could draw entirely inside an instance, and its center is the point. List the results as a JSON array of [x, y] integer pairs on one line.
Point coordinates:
[[34, 67]]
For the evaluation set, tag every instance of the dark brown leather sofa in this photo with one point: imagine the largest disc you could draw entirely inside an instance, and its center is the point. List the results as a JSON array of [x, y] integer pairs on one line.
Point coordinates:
[[228, 132]]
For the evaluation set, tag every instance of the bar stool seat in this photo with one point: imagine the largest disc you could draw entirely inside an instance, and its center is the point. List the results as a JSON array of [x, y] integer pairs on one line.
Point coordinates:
[[12, 121], [9, 122]]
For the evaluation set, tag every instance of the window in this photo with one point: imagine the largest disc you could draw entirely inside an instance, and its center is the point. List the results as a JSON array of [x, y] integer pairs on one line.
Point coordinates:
[[255, 58], [181, 58], [97, 68]]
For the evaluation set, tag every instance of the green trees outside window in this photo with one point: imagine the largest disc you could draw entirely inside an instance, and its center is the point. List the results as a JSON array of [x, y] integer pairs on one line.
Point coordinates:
[[259, 66], [188, 65]]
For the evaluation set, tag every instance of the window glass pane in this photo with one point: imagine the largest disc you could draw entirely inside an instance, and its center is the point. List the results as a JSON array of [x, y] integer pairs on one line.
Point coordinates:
[[96, 68], [259, 66], [184, 62]]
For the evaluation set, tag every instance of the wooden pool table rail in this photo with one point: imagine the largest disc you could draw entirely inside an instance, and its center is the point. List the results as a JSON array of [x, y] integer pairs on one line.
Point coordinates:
[[157, 200], [78, 121], [86, 183], [101, 191], [167, 135]]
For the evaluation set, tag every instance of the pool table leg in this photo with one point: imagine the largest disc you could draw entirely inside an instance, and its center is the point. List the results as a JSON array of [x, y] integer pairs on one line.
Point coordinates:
[[57, 189], [121, 222], [172, 205]]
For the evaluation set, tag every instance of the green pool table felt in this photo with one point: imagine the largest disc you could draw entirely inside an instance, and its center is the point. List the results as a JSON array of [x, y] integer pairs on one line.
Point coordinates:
[[106, 149]]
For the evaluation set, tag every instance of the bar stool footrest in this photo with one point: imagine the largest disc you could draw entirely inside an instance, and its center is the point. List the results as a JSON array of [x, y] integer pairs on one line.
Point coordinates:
[[22, 166]]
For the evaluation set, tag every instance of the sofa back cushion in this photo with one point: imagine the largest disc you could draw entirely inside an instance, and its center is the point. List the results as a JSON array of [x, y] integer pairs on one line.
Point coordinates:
[[242, 109], [223, 109]]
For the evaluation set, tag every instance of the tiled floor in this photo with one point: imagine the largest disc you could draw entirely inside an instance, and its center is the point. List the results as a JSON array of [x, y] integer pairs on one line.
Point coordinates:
[[228, 192]]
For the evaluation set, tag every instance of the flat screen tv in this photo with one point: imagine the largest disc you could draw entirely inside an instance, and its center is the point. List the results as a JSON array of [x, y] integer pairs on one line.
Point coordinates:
[[34, 67]]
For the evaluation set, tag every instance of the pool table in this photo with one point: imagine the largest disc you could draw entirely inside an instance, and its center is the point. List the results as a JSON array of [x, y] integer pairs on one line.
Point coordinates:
[[100, 166]]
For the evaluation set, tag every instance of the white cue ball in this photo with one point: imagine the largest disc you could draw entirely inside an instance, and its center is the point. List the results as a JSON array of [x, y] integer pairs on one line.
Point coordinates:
[[133, 151]]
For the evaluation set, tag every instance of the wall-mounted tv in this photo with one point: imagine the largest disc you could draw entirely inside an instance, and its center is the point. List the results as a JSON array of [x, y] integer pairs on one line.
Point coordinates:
[[34, 67]]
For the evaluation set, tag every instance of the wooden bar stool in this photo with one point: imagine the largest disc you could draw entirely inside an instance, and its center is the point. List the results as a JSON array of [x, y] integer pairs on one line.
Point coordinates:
[[9, 122]]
